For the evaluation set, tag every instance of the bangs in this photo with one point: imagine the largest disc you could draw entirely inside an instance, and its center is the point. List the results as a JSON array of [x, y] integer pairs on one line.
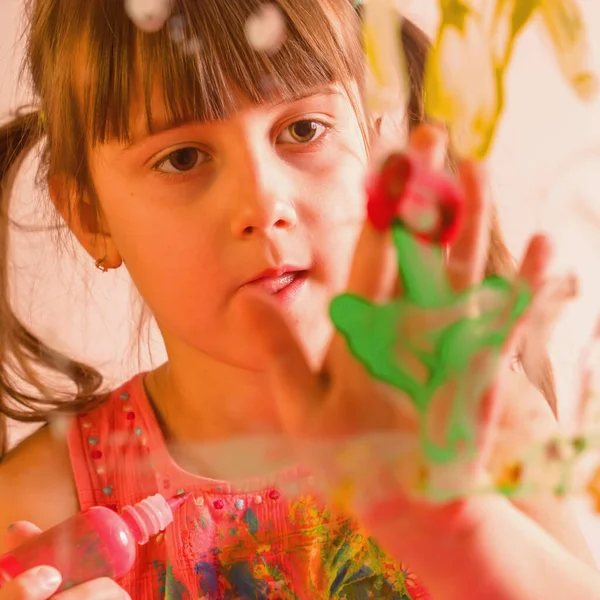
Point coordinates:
[[202, 73]]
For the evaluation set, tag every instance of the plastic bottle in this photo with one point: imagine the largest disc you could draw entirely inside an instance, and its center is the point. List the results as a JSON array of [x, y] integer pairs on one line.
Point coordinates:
[[95, 543]]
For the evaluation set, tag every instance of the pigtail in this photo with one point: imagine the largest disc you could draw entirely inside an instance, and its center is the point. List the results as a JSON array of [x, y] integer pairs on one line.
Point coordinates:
[[25, 359], [416, 46]]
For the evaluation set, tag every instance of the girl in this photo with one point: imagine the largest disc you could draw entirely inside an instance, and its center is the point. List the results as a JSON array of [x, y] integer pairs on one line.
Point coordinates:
[[215, 175]]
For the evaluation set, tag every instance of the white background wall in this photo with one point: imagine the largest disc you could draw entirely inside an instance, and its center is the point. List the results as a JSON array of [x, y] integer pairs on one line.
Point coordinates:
[[90, 313]]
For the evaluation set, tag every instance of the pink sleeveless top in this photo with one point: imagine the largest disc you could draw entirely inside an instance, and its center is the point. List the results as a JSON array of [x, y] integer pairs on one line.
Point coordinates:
[[247, 542]]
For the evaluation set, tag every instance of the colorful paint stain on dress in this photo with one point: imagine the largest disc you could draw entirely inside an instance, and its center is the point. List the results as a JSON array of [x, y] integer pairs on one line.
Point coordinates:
[[311, 554], [266, 543]]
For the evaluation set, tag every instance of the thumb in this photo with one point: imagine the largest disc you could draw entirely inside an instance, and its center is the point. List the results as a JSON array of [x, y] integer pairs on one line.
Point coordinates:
[[38, 583], [294, 385], [20, 532]]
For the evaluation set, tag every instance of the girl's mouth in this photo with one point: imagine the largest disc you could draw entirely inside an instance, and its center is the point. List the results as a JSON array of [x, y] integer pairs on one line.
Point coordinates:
[[283, 284]]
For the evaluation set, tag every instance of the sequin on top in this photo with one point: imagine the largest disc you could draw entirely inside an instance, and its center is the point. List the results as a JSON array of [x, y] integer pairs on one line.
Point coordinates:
[[251, 541]]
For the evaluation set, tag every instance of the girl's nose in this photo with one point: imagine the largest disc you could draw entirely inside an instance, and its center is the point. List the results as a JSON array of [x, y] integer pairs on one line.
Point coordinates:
[[265, 191], [262, 215]]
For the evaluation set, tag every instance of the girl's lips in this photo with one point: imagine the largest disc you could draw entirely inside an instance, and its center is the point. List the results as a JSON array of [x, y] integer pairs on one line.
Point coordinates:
[[273, 285], [282, 286]]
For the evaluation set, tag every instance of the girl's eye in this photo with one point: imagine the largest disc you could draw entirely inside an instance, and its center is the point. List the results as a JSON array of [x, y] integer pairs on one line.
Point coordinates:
[[303, 132], [181, 161]]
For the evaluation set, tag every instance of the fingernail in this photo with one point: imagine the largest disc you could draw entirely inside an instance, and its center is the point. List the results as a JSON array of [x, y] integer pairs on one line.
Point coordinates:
[[47, 578]]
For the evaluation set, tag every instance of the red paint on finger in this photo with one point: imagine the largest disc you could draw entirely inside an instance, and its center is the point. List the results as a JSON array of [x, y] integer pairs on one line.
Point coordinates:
[[386, 189], [428, 203]]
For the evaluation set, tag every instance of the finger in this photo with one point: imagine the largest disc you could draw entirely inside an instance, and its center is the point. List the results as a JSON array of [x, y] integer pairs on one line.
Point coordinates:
[[533, 269], [492, 403], [19, 533], [294, 385], [550, 297], [37, 584], [98, 589], [489, 416], [468, 255], [430, 144], [374, 272], [536, 260]]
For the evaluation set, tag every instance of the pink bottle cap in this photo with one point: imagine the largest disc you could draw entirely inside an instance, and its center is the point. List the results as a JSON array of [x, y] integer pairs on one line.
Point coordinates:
[[152, 515]]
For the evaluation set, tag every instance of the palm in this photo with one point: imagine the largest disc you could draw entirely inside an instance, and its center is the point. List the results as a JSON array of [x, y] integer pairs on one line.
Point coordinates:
[[444, 338], [420, 366]]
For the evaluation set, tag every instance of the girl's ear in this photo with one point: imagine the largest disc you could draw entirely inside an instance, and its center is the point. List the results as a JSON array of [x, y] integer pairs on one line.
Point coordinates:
[[85, 221]]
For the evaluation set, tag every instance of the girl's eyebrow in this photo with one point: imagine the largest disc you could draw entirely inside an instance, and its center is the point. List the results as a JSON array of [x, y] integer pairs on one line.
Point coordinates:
[[158, 127], [315, 93], [163, 125]]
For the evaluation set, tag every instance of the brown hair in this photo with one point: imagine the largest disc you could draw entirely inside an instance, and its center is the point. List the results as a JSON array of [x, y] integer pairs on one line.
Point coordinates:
[[90, 66]]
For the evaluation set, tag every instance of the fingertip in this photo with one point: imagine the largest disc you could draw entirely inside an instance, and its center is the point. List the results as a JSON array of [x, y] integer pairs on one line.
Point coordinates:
[[36, 584], [430, 143], [22, 526], [536, 260], [425, 135], [48, 578], [542, 246], [19, 532]]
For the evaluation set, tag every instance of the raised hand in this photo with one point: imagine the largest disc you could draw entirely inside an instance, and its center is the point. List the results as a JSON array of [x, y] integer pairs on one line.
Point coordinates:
[[432, 329]]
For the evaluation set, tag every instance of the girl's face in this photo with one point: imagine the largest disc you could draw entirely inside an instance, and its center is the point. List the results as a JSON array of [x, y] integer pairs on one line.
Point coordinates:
[[271, 198]]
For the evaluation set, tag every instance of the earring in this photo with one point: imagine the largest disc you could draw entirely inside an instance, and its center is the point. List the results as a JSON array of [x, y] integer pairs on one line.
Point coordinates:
[[99, 264]]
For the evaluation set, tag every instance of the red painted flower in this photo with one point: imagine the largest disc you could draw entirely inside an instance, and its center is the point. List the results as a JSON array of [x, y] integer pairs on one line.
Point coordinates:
[[428, 203]]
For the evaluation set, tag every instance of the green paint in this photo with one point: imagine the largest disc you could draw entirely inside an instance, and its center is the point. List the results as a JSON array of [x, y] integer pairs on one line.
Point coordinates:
[[251, 521], [175, 590], [560, 490], [161, 573], [579, 444], [446, 345], [355, 567]]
